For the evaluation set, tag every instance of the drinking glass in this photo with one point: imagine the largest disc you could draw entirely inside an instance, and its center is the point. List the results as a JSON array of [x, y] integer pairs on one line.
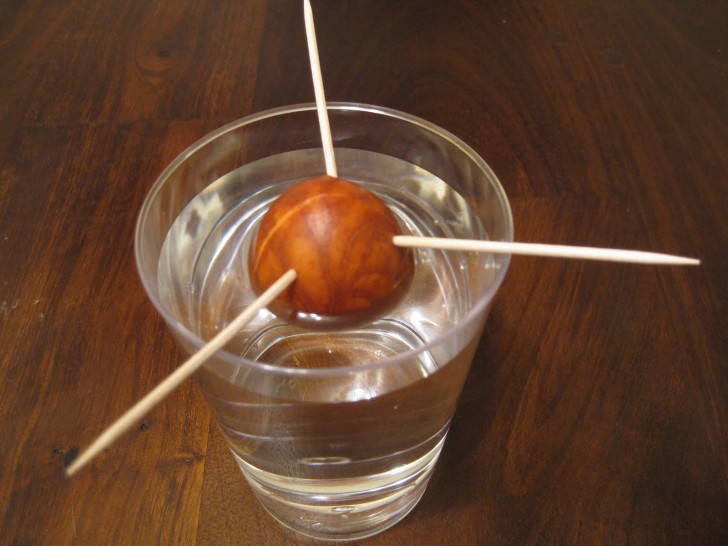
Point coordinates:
[[337, 431]]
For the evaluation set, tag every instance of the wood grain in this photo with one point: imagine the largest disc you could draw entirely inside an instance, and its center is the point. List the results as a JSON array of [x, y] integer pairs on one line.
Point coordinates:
[[596, 411]]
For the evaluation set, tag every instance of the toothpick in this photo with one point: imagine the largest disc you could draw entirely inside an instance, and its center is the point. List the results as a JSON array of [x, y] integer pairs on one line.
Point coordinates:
[[137, 411], [553, 251], [318, 88]]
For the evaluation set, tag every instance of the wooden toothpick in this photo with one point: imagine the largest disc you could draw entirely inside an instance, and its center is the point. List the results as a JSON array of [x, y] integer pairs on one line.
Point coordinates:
[[318, 88], [554, 251], [136, 412]]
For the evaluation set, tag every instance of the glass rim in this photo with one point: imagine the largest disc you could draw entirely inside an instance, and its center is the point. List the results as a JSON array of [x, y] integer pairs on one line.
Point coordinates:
[[197, 342]]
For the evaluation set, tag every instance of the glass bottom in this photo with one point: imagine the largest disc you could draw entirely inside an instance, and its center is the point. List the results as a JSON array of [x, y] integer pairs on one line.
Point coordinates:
[[343, 509]]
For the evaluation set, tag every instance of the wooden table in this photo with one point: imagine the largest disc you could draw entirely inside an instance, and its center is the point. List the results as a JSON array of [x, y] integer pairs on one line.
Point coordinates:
[[596, 411]]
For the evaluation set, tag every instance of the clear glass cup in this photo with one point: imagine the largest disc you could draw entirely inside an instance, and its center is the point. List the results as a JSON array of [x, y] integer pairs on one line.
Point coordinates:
[[337, 432]]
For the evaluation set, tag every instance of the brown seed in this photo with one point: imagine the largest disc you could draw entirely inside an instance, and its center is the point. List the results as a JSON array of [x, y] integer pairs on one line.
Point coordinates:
[[337, 236]]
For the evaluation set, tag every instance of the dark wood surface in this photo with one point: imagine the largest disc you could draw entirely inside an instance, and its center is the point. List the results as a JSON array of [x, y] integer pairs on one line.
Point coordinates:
[[596, 411]]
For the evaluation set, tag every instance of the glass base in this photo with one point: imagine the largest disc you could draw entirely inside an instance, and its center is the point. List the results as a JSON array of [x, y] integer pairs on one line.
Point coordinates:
[[343, 509]]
